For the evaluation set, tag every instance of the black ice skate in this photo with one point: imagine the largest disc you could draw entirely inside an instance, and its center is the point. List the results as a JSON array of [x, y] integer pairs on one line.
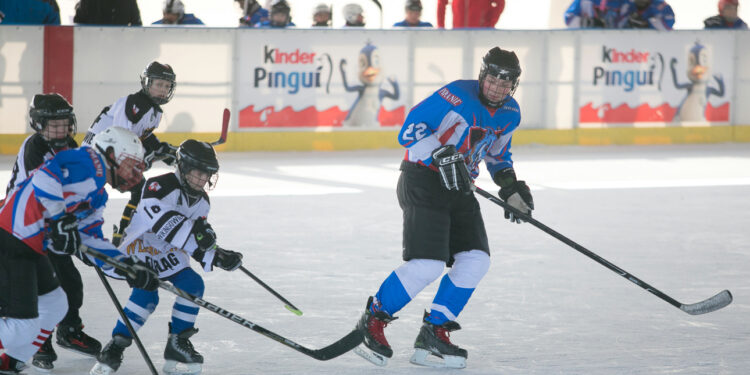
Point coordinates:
[[180, 356], [371, 325], [110, 359], [73, 338], [434, 340], [44, 357], [10, 365]]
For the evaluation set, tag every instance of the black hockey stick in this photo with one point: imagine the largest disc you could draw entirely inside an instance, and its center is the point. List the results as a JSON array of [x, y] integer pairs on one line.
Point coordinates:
[[714, 303], [289, 306], [380, 7], [125, 320], [343, 345]]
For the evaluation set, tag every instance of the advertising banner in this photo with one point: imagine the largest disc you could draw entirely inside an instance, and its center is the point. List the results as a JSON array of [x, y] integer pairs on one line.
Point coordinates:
[[349, 81], [675, 79]]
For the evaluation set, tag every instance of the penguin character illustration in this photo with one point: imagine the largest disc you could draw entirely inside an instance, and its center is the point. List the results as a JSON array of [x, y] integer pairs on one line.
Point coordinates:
[[693, 106], [364, 111]]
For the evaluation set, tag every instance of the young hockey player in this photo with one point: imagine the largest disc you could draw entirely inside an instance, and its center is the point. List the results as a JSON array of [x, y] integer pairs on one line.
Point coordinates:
[[170, 226], [140, 113], [54, 123], [446, 136], [58, 207]]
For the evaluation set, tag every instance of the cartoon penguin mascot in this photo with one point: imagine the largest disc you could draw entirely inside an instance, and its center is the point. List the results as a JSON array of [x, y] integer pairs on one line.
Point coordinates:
[[365, 109], [693, 107]]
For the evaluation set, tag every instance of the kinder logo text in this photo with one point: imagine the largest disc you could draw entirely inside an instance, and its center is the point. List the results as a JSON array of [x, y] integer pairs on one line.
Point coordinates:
[[293, 81], [621, 76]]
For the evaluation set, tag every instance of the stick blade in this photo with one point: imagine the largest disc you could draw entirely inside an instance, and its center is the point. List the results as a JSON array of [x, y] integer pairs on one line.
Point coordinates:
[[343, 345], [720, 300], [224, 128]]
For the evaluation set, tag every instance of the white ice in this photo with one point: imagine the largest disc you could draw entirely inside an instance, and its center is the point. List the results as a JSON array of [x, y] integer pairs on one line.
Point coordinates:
[[324, 229]]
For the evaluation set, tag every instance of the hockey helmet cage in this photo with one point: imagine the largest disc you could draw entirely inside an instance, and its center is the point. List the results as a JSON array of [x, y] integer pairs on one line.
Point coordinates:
[[351, 12], [415, 5], [157, 70], [126, 165], [45, 107], [174, 7], [502, 64], [198, 155]]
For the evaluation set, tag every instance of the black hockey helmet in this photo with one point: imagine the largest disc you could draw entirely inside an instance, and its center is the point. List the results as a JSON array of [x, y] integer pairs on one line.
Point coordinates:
[[415, 5], [45, 107], [157, 70], [503, 65], [198, 155], [280, 6]]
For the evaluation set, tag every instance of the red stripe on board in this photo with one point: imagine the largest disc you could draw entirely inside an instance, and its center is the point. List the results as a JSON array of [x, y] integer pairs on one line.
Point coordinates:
[[58, 61]]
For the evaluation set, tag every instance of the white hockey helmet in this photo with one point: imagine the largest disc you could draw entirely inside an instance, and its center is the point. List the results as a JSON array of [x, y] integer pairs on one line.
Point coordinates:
[[351, 11], [174, 7], [126, 165]]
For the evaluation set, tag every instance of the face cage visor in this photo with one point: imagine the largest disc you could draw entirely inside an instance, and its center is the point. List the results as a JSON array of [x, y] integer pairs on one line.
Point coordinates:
[[191, 182], [127, 172], [146, 85], [500, 73], [58, 143]]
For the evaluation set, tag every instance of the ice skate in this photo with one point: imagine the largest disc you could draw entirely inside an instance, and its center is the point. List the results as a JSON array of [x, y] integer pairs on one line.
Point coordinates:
[[43, 358], [376, 348], [73, 338], [110, 359], [180, 356], [434, 340], [10, 365]]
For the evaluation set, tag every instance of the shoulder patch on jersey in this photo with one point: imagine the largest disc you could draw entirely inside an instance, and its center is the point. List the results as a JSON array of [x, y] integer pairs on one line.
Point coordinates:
[[449, 97], [160, 186], [137, 105], [154, 186]]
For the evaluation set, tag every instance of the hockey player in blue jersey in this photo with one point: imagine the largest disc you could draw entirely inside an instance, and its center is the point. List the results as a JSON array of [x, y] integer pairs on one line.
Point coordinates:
[[594, 13], [253, 13], [57, 208], [646, 14], [169, 227], [446, 136]]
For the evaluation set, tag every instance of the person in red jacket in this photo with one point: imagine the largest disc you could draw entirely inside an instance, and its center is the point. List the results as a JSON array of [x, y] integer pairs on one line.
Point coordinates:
[[471, 13]]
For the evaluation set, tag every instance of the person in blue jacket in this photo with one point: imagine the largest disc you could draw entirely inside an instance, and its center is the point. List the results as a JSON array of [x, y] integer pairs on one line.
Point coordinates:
[[446, 137], [727, 17], [646, 14], [28, 12], [413, 10], [253, 13], [279, 17], [174, 14], [593, 13]]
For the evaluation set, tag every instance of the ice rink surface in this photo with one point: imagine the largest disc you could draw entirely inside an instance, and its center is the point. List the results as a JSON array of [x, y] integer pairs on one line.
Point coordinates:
[[324, 229]]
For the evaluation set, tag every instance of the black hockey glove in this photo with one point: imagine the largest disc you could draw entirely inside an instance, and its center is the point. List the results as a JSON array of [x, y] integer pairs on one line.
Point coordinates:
[[162, 151], [64, 234], [454, 175], [145, 278], [515, 193], [635, 21], [227, 259], [204, 234]]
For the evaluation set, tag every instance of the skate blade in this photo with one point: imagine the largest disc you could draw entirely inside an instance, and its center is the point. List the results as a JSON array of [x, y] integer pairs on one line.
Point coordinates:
[[424, 357], [172, 367], [101, 369], [372, 357], [77, 351]]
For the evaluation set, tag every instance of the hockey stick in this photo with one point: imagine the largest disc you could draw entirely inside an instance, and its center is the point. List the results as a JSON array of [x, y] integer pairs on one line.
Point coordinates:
[[289, 306], [380, 7], [224, 129], [343, 345], [125, 320], [714, 303]]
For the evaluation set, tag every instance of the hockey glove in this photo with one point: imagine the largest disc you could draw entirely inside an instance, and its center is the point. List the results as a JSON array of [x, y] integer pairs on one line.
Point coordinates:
[[515, 193], [227, 259], [635, 21], [204, 234], [163, 151], [145, 278], [64, 234], [454, 175]]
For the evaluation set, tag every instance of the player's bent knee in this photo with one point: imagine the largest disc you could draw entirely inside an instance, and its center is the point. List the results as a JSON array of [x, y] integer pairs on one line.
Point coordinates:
[[416, 274], [469, 268]]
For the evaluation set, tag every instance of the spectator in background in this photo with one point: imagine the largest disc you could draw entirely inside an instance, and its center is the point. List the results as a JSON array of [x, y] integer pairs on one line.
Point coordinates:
[[29, 12], [413, 10], [646, 14], [727, 18], [253, 13], [280, 17], [322, 16], [174, 14], [471, 13], [354, 15], [594, 13], [108, 12]]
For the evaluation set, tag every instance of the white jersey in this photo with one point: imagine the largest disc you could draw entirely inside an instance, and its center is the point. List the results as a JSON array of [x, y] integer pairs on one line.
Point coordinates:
[[135, 112], [161, 230]]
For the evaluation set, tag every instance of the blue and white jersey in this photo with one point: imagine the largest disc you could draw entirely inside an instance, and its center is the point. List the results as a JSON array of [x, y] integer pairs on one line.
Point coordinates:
[[254, 19], [581, 13], [454, 115], [659, 15], [71, 182]]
